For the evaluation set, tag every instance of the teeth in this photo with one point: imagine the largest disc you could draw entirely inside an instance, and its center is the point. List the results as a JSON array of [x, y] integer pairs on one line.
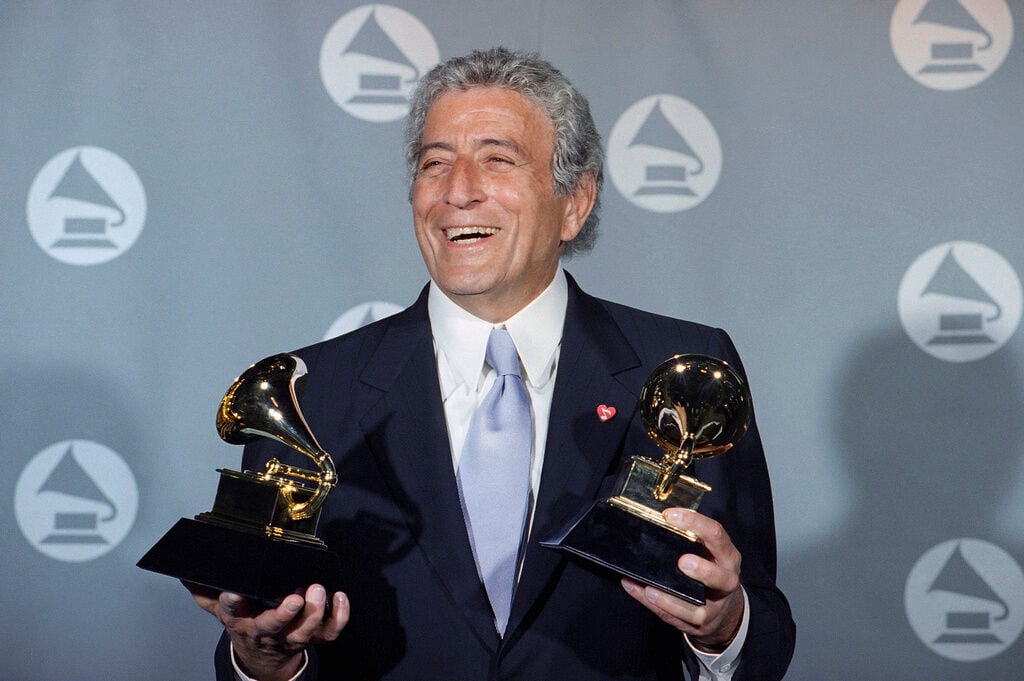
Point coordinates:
[[469, 233]]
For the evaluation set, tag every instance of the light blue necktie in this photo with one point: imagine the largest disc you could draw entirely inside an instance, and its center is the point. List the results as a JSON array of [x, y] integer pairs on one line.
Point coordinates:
[[494, 475]]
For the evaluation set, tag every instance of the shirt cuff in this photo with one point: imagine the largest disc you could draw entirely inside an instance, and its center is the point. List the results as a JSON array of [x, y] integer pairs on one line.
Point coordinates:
[[720, 666], [241, 676]]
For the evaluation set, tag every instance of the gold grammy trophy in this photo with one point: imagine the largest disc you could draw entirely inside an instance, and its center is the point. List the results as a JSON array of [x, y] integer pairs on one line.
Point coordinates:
[[693, 407], [260, 538]]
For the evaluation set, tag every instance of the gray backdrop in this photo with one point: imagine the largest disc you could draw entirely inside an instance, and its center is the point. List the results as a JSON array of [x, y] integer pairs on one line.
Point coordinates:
[[188, 187]]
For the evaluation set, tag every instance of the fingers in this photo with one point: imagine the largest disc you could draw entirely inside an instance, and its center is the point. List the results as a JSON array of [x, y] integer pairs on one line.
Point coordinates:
[[270, 640], [204, 596], [298, 620], [712, 534], [710, 626], [720, 570], [717, 620], [235, 606], [676, 612], [311, 622], [242, 612], [333, 625]]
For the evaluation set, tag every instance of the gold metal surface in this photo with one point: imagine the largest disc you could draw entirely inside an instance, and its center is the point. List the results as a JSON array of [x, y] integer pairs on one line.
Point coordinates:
[[262, 403], [651, 516], [643, 477], [693, 407]]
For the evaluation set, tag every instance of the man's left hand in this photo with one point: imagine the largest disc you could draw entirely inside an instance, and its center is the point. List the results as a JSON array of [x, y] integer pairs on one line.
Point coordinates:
[[712, 626]]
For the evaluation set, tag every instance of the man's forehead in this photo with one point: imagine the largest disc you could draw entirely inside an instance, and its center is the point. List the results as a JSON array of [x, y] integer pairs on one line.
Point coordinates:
[[490, 97], [486, 116]]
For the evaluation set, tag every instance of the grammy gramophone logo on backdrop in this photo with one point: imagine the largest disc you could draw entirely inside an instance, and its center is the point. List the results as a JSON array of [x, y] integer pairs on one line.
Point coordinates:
[[372, 58], [86, 206], [361, 315], [951, 44], [664, 154], [75, 500], [960, 301], [965, 599]]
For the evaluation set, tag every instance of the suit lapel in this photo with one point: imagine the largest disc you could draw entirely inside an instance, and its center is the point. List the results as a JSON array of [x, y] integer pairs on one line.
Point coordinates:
[[407, 432], [595, 366]]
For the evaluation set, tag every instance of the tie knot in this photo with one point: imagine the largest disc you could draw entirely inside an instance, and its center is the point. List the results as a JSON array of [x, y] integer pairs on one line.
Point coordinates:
[[501, 353]]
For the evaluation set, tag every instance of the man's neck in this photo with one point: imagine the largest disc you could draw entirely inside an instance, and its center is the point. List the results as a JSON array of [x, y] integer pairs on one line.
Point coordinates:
[[497, 311]]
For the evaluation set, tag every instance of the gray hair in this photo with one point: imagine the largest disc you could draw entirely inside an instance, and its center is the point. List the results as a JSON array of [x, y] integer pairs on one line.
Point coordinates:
[[577, 143]]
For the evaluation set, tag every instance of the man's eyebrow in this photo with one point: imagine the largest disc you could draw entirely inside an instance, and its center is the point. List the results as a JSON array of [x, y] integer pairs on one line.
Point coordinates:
[[443, 146], [505, 143]]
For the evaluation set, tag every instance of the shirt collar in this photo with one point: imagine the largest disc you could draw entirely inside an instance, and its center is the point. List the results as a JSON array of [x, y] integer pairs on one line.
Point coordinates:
[[536, 330]]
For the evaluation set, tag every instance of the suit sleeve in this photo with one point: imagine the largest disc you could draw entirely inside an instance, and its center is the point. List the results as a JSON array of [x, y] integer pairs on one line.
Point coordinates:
[[746, 510]]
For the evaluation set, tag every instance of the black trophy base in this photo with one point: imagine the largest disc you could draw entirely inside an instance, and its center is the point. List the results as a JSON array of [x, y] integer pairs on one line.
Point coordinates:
[[631, 546], [245, 563]]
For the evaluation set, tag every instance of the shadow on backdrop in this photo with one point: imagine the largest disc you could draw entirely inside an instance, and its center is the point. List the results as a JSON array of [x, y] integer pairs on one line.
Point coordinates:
[[932, 448]]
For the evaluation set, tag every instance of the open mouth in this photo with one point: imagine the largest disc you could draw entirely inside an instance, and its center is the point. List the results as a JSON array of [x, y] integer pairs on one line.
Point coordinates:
[[469, 234]]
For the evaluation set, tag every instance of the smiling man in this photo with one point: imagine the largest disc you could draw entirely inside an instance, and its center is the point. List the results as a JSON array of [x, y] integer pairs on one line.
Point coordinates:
[[467, 426], [488, 219]]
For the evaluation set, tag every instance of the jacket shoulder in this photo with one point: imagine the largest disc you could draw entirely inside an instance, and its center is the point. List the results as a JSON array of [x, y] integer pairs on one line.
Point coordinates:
[[656, 337]]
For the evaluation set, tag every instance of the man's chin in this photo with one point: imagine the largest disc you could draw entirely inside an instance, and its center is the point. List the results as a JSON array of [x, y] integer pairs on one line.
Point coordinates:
[[463, 284]]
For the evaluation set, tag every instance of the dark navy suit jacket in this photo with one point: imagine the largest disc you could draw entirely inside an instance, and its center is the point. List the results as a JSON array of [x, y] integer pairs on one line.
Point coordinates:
[[419, 610]]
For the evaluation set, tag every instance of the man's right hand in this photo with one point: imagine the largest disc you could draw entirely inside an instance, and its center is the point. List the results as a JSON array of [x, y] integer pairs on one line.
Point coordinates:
[[268, 643]]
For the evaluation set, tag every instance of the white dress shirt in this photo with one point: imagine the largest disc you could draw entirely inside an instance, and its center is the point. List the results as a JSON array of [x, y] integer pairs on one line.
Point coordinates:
[[460, 344]]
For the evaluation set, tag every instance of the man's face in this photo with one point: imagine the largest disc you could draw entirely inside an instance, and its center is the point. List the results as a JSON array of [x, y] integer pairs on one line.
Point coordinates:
[[488, 222]]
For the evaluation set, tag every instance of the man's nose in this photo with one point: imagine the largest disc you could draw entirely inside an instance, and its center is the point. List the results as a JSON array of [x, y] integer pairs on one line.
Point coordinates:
[[464, 185]]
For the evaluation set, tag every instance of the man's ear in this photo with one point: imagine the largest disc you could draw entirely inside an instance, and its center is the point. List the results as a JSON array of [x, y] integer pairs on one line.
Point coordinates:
[[578, 207]]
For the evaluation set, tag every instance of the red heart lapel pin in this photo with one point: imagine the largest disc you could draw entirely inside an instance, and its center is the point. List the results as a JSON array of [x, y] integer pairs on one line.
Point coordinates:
[[604, 412]]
